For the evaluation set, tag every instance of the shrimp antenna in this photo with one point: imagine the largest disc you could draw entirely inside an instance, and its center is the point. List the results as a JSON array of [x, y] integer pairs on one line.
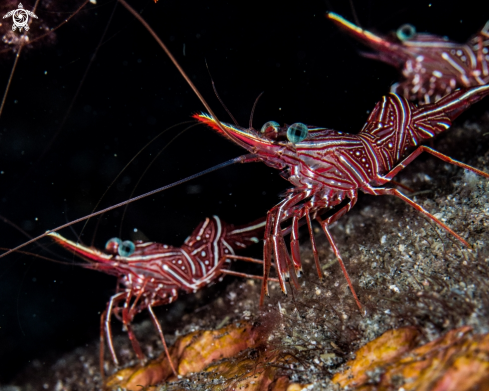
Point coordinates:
[[175, 62], [218, 97], [12, 224], [354, 12], [146, 170], [50, 259], [253, 110], [240, 159]]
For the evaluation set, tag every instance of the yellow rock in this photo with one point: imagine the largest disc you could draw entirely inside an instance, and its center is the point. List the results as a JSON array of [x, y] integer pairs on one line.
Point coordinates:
[[387, 348], [237, 357], [456, 361], [191, 353]]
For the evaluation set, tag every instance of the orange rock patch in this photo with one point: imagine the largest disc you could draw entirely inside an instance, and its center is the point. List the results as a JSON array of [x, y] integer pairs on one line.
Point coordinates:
[[237, 358]]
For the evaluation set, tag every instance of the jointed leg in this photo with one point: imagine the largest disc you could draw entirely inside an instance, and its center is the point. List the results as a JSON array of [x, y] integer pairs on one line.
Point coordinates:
[[353, 196], [127, 317], [102, 343], [294, 245], [244, 275], [246, 259], [398, 184], [290, 263], [267, 255], [141, 291], [266, 270], [162, 337], [386, 178], [418, 207], [313, 244], [105, 326], [324, 225], [273, 232]]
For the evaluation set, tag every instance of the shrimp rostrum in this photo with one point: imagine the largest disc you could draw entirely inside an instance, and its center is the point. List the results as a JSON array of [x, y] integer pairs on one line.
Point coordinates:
[[328, 168]]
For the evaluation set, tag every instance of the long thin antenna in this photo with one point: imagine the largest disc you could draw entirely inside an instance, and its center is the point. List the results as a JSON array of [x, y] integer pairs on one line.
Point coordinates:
[[218, 97], [80, 84], [7, 221], [146, 170], [127, 165], [15, 62], [253, 110], [7, 88], [354, 12], [241, 159], [50, 259], [175, 62]]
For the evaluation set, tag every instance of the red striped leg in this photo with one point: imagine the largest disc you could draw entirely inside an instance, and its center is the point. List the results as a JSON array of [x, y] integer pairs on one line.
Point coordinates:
[[106, 328], [294, 245], [136, 301], [246, 259], [281, 253], [330, 220], [418, 207], [280, 260], [431, 151], [102, 344], [162, 337], [353, 196], [267, 255], [266, 270], [313, 244], [340, 261], [398, 184], [127, 317], [272, 242], [290, 264], [244, 275]]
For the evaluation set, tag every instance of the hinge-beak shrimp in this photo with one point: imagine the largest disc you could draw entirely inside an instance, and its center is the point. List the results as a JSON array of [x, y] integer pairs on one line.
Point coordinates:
[[328, 168], [151, 274], [431, 66]]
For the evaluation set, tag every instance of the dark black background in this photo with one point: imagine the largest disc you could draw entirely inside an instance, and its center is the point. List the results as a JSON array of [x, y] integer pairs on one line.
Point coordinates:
[[309, 71]]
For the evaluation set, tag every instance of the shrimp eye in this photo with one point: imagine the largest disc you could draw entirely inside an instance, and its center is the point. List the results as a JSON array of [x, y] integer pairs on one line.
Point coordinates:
[[126, 248], [269, 127], [112, 245], [297, 132], [405, 32]]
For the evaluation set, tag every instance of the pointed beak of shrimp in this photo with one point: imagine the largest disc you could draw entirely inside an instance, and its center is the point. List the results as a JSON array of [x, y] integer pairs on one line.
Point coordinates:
[[388, 51], [249, 139], [90, 254]]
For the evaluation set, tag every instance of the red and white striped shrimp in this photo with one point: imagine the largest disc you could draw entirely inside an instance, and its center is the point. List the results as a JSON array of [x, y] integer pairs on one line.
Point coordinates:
[[151, 274], [431, 65], [328, 168]]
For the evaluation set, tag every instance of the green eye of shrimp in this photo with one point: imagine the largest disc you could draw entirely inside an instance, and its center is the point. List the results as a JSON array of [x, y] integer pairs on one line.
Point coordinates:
[[270, 126], [112, 245], [297, 132], [126, 248], [405, 32]]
